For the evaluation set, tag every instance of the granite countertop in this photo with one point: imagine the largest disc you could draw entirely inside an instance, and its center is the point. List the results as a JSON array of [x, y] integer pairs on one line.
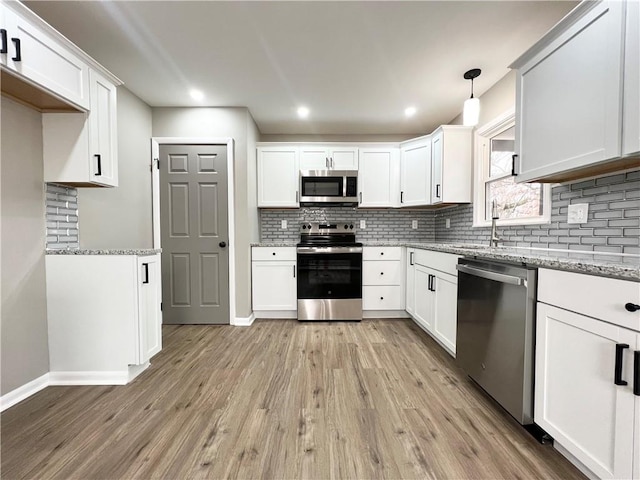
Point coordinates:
[[625, 267], [123, 251]]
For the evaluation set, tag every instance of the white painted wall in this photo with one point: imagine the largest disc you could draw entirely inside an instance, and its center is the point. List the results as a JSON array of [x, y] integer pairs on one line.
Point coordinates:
[[23, 318], [121, 217], [237, 123]]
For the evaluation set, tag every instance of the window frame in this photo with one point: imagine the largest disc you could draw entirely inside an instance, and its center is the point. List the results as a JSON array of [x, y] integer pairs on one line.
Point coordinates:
[[482, 138]]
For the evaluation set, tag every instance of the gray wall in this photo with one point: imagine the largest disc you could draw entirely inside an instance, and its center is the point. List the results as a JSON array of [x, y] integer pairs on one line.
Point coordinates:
[[122, 217], [23, 320], [238, 124]]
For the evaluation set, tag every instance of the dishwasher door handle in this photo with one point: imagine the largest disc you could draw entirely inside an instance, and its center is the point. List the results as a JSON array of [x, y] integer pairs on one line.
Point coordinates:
[[498, 277]]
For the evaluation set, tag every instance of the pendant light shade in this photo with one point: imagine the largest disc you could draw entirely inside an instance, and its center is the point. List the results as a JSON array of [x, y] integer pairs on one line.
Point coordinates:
[[471, 111]]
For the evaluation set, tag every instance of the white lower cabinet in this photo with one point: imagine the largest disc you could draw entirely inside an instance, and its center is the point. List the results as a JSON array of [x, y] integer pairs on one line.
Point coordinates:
[[104, 316], [432, 294], [382, 278], [273, 284], [584, 388]]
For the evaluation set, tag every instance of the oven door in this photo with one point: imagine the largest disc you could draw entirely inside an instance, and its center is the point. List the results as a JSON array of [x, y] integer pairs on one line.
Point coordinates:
[[329, 283]]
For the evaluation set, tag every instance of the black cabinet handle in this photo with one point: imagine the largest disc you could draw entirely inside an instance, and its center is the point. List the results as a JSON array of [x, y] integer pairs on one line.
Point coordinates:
[[410, 258], [401, 194], [99, 159], [430, 283], [222, 244], [617, 374], [632, 307], [18, 57], [438, 190], [636, 373], [513, 164], [360, 197], [294, 271], [146, 273], [3, 36]]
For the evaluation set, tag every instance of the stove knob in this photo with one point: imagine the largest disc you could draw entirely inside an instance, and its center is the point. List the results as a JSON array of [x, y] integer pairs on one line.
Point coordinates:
[[346, 226], [304, 227], [309, 226], [351, 226]]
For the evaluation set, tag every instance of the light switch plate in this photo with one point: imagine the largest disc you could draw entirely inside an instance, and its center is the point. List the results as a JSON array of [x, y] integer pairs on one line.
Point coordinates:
[[283, 224], [578, 213], [363, 224], [414, 224]]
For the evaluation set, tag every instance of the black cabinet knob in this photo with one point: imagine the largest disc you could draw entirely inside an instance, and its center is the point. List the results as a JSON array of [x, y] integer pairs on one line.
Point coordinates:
[[381, 298], [273, 253], [381, 273], [632, 307], [224, 244]]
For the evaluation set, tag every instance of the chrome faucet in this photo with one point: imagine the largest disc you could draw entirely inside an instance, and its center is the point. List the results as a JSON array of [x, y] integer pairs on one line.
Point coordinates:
[[493, 241]]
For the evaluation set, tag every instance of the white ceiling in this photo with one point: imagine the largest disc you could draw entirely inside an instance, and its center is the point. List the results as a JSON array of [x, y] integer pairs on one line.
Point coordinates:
[[356, 65]]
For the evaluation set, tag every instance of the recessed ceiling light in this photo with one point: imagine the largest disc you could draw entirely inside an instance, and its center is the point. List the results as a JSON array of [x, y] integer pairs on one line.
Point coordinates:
[[410, 111], [303, 112], [196, 94]]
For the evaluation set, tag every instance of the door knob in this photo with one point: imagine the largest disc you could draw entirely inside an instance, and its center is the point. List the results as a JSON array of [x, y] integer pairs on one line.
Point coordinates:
[[222, 244], [632, 307]]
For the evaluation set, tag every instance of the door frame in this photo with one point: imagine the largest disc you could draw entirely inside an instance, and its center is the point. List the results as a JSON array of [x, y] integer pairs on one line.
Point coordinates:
[[155, 193]]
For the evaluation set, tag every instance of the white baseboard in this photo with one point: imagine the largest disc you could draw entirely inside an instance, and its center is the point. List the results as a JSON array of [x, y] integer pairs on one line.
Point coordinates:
[[385, 314], [245, 321], [135, 370], [89, 378], [23, 392], [276, 314]]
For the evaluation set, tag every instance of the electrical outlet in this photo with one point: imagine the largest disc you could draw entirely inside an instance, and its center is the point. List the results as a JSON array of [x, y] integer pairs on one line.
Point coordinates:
[[363, 224], [283, 224], [578, 213], [414, 224], [447, 223]]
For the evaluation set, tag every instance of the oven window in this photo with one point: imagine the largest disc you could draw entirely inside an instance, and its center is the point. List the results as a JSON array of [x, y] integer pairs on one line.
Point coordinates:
[[325, 276], [322, 186]]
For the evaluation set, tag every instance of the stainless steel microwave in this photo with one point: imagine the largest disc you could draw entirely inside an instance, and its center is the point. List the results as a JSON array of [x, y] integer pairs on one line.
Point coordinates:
[[328, 188]]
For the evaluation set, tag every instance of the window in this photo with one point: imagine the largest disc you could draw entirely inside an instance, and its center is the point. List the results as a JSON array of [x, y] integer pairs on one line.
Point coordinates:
[[516, 203]]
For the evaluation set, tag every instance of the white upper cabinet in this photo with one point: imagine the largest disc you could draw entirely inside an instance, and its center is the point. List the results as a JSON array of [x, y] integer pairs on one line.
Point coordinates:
[[378, 177], [82, 149], [328, 157], [35, 55], [451, 159], [415, 172], [631, 110], [278, 176], [569, 99]]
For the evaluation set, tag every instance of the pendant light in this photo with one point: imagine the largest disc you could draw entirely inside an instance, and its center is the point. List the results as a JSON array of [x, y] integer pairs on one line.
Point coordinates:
[[471, 111]]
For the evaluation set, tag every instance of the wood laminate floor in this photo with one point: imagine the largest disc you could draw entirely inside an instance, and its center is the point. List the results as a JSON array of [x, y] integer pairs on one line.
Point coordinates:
[[279, 400]]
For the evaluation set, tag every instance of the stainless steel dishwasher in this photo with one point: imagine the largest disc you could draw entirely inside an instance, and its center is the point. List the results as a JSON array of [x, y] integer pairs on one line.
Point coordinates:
[[495, 337]]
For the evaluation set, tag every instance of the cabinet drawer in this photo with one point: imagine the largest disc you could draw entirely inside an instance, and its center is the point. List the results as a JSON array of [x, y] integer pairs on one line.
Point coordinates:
[[388, 297], [273, 253], [381, 273], [382, 253], [444, 262], [598, 297]]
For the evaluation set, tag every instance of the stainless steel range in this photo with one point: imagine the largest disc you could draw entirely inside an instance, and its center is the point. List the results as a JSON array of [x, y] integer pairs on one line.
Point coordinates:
[[329, 272]]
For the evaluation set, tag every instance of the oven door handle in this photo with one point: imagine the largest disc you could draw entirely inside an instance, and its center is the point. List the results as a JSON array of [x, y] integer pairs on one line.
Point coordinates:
[[326, 250], [498, 277]]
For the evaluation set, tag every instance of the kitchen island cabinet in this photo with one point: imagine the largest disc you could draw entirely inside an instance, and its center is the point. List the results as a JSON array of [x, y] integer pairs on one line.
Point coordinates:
[[585, 370], [104, 316]]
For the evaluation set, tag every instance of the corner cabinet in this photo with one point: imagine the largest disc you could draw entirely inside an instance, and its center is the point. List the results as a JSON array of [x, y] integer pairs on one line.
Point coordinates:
[[81, 149], [104, 316], [273, 280], [278, 177], [378, 177], [573, 78], [584, 394], [415, 172], [451, 161]]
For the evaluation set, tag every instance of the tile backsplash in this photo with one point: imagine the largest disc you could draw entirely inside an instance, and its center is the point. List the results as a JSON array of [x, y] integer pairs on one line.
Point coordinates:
[[62, 217], [613, 224]]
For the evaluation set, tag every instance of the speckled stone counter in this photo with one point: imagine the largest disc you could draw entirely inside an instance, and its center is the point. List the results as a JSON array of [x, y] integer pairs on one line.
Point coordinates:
[[625, 267], [89, 251]]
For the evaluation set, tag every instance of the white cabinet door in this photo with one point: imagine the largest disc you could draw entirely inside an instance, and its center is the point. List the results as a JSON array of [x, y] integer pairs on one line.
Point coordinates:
[[278, 177], [343, 158], [445, 310], [568, 95], [436, 167], [274, 285], [576, 399], [423, 312], [415, 173], [451, 161], [8, 24], [103, 139], [378, 177], [631, 110], [45, 62], [314, 157], [410, 299], [149, 314]]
